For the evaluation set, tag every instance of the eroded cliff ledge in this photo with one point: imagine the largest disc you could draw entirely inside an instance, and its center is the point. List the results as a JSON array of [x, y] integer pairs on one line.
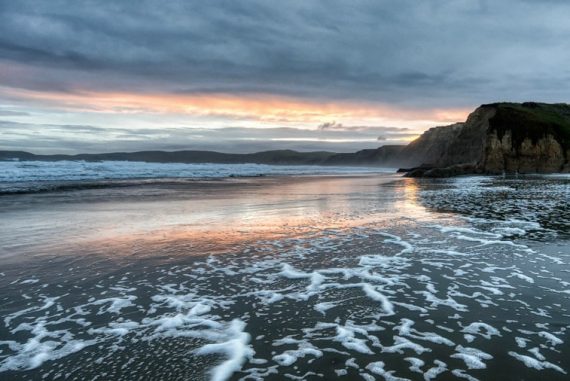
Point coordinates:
[[496, 138]]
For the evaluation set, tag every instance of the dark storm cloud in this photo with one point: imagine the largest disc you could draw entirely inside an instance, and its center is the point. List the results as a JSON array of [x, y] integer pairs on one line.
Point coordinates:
[[428, 53]]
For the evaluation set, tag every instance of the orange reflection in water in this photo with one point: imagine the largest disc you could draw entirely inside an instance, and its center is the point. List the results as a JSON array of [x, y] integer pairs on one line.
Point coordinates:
[[408, 204], [222, 217], [261, 210]]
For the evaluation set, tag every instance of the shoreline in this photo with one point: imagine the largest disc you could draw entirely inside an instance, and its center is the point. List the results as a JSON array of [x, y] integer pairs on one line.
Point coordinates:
[[46, 186]]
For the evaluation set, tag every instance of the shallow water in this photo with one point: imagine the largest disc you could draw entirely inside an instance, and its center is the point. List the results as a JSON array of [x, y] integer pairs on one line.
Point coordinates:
[[366, 277]]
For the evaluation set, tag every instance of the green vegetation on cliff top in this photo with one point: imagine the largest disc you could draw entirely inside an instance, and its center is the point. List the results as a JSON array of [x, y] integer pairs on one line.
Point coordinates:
[[532, 120]]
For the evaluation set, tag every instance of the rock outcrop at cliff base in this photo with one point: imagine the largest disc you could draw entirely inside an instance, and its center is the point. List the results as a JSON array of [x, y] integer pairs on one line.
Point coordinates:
[[496, 138]]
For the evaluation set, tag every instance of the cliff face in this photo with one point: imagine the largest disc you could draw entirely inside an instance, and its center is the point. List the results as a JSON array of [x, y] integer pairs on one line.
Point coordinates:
[[387, 156], [470, 144], [528, 138], [497, 138], [432, 147], [546, 155]]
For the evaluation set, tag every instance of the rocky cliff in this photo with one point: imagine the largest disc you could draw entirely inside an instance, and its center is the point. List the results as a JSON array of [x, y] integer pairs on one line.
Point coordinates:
[[387, 156], [497, 138], [431, 149]]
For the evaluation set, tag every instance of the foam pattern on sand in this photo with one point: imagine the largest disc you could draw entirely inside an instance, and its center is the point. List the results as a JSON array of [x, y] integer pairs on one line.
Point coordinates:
[[533, 208], [273, 312]]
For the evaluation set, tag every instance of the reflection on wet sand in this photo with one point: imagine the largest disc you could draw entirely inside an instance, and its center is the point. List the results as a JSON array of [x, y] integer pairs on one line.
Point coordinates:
[[204, 222]]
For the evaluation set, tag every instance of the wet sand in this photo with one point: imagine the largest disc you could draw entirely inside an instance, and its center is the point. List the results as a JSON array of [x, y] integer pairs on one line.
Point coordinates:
[[362, 277]]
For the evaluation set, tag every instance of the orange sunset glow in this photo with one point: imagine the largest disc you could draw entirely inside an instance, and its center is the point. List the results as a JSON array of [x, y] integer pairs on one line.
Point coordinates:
[[261, 108]]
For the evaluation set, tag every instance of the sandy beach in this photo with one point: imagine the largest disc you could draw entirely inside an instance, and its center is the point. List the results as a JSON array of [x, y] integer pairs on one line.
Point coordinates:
[[315, 277]]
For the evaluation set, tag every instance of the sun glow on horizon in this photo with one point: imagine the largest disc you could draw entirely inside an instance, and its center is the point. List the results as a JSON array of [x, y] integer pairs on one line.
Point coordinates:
[[255, 110], [107, 121]]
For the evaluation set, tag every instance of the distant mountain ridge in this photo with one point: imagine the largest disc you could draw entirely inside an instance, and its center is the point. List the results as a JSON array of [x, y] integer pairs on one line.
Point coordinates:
[[265, 157], [382, 156]]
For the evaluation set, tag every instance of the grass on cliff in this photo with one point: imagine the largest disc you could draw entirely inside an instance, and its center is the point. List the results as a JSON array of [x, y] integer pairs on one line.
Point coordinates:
[[532, 120]]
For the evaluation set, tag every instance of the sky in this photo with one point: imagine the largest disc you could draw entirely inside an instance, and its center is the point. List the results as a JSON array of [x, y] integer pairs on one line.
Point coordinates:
[[252, 75]]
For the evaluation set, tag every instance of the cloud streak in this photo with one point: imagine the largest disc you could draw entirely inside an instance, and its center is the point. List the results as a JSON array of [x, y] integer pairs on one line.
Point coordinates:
[[84, 138]]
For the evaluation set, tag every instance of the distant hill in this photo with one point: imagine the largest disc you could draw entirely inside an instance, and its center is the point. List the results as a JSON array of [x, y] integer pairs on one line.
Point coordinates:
[[267, 157], [383, 156]]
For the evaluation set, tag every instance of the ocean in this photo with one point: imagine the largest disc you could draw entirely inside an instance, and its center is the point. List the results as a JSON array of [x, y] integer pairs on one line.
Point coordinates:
[[122, 271]]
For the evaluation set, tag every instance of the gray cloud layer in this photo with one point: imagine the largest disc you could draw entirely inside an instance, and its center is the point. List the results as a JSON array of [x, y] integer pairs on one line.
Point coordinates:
[[418, 53], [50, 138]]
